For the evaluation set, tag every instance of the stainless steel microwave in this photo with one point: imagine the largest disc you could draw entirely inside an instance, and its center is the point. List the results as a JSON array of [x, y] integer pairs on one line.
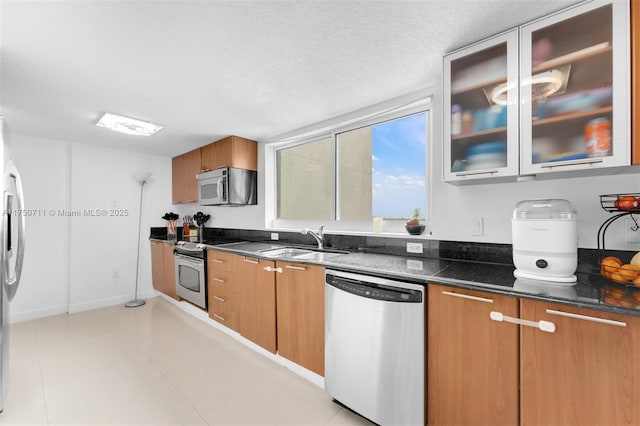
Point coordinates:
[[228, 186]]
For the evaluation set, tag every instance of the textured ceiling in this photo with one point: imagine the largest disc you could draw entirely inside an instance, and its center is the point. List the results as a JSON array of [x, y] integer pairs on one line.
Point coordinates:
[[207, 69]]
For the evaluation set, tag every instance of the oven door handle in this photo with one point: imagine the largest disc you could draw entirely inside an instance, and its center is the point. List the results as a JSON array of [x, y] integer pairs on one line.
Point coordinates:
[[188, 259]]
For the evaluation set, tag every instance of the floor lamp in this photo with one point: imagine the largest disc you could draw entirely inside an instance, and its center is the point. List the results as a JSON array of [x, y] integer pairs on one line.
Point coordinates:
[[142, 178]]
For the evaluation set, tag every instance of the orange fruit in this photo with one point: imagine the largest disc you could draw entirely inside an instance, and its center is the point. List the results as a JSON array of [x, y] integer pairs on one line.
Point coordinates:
[[618, 278], [611, 264], [604, 273], [630, 272], [636, 282]]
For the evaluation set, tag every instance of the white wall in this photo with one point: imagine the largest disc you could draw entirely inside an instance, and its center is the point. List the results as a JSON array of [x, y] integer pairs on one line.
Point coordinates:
[[69, 260], [45, 170]]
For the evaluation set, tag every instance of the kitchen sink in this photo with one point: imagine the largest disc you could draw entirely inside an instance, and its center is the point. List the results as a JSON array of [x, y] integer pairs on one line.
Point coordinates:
[[300, 253]]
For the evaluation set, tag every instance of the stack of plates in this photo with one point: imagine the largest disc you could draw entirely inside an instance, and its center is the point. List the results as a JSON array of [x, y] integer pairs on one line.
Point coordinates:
[[486, 155]]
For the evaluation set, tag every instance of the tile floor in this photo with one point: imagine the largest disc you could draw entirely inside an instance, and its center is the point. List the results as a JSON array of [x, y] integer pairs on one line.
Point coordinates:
[[152, 365]]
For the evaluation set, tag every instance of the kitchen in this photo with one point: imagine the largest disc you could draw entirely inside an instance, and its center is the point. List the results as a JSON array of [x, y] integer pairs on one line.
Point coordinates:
[[82, 263]]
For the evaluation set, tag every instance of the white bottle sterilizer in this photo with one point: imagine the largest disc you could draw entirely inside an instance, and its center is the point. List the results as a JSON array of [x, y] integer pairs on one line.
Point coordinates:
[[545, 240]]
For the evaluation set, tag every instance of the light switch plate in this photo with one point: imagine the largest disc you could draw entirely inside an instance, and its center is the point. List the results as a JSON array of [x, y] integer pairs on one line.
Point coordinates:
[[476, 227], [275, 236]]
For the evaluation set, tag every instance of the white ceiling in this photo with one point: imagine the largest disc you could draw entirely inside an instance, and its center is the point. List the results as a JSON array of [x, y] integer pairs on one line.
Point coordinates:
[[207, 69]]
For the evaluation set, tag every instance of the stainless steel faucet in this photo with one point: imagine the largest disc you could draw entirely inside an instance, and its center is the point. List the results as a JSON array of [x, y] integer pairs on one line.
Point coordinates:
[[318, 236]]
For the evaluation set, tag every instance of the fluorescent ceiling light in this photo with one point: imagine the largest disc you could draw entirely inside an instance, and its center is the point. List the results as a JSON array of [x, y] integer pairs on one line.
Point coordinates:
[[130, 126]]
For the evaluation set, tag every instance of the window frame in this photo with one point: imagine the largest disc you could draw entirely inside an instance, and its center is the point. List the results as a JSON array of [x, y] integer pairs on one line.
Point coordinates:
[[391, 227]]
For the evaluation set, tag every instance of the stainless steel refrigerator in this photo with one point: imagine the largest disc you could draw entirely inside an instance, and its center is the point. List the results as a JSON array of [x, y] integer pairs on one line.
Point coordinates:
[[12, 252]]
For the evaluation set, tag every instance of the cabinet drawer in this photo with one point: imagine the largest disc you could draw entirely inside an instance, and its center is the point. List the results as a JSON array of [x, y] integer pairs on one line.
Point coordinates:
[[221, 261], [219, 289], [217, 280], [221, 310]]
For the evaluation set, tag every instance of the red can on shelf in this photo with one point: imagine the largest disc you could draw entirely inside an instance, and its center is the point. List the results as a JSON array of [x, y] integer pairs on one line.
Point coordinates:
[[597, 136]]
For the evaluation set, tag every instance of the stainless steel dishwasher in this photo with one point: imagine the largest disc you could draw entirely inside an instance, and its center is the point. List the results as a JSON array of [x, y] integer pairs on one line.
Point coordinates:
[[375, 347]]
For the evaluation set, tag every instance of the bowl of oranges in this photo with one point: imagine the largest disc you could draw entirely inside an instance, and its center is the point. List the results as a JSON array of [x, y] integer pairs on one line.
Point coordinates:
[[614, 269]]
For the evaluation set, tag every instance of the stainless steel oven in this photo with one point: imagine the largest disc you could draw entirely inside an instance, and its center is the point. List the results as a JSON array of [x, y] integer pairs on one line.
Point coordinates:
[[191, 273]]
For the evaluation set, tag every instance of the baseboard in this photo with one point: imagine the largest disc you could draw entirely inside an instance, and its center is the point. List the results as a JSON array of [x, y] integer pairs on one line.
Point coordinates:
[[36, 313], [103, 303]]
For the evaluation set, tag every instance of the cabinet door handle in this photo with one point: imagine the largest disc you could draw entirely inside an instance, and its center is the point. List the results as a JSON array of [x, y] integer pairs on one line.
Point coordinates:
[[270, 269], [219, 317], [218, 280], [466, 296], [586, 318], [219, 299], [547, 326], [297, 268], [248, 260], [484, 172], [217, 261], [571, 163]]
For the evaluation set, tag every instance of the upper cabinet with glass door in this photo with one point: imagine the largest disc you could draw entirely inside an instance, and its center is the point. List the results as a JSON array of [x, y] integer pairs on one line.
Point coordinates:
[[481, 110], [574, 91]]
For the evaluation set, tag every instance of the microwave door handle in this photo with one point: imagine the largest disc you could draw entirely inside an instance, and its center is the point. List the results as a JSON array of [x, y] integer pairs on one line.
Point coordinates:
[[219, 189]]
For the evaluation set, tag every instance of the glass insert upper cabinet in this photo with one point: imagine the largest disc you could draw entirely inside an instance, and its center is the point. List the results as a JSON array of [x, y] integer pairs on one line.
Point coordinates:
[[574, 94], [481, 110]]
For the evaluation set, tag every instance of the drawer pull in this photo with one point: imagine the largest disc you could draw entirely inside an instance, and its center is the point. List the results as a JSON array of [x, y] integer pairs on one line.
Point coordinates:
[[217, 261], [220, 299], [270, 269], [587, 318], [297, 268], [218, 280], [466, 296], [547, 326], [219, 317], [248, 260]]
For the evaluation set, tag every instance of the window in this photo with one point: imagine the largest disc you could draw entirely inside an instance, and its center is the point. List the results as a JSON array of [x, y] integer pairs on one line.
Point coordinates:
[[305, 181], [352, 176]]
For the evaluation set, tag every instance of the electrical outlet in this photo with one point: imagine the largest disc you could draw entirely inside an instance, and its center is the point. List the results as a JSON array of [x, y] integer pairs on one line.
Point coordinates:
[[114, 205], [476, 227], [414, 247], [275, 236], [115, 274]]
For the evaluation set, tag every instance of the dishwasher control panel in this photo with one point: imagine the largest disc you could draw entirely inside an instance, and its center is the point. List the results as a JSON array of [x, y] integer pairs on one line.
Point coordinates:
[[370, 289]]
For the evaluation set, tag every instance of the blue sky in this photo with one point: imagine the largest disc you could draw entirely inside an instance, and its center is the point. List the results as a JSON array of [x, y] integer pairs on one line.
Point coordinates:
[[399, 167]]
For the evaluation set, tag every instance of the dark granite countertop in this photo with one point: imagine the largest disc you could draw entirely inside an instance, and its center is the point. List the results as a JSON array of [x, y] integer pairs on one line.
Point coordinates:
[[590, 291]]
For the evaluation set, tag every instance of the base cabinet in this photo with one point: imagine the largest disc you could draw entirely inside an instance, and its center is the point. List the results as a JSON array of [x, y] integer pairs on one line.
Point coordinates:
[[163, 269], [472, 363], [224, 288], [587, 372], [300, 314], [584, 370], [258, 306]]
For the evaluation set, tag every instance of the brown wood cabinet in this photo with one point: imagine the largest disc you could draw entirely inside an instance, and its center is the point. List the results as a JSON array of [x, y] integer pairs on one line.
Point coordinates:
[[635, 81], [232, 151], [258, 306], [472, 363], [163, 269], [224, 288], [585, 373], [300, 314], [184, 169]]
